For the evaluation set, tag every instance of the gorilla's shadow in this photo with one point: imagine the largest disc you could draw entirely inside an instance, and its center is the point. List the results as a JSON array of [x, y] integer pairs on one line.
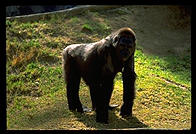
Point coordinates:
[[115, 122]]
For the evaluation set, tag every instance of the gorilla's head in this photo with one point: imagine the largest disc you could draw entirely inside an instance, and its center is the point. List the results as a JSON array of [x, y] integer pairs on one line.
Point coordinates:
[[124, 43]]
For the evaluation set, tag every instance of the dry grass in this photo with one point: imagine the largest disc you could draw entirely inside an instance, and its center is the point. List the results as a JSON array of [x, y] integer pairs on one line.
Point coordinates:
[[36, 93]]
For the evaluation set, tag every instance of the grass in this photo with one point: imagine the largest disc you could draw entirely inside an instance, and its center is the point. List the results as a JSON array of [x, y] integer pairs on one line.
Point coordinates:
[[36, 94]]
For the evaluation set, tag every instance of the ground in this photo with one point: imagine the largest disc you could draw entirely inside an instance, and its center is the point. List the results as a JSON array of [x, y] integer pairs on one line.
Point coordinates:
[[160, 29], [36, 94]]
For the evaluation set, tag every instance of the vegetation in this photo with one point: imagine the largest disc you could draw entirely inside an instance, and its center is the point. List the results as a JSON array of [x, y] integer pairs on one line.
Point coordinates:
[[36, 94]]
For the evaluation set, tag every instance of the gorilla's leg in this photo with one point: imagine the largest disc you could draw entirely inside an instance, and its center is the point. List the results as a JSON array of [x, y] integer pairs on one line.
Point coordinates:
[[73, 82], [99, 101], [92, 94], [128, 94], [109, 88]]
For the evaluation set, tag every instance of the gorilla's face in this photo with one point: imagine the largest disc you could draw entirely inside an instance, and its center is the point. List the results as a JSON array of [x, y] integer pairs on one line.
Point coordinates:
[[125, 46]]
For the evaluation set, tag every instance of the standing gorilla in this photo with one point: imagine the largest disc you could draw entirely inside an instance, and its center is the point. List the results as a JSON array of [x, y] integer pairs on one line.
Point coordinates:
[[98, 63]]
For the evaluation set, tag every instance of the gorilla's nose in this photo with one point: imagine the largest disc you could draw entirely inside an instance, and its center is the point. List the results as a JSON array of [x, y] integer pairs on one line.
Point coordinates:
[[124, 53]]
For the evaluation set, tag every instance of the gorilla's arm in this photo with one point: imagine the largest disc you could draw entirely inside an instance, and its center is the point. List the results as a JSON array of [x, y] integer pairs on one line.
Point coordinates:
[[129, 77]]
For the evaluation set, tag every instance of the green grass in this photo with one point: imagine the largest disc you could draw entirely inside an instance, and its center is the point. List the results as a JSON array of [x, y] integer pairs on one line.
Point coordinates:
[[36, 94]]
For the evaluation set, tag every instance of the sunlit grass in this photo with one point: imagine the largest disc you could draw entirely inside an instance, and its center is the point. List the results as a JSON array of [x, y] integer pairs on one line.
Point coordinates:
[[36, 94]]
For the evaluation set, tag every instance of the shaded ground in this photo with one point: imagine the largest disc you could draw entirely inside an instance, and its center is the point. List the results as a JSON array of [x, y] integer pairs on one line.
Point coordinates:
[[160, 30]]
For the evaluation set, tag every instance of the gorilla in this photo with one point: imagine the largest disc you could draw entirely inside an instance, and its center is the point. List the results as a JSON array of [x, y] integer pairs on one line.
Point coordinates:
[[98, 63]]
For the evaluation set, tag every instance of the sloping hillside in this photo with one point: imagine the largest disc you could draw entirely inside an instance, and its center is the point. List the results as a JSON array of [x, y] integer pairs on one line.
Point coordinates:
[[36, 94]]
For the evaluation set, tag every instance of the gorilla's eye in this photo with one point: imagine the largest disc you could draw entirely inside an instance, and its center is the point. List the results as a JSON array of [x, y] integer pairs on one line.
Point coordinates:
[[125, 41], [126, 45]]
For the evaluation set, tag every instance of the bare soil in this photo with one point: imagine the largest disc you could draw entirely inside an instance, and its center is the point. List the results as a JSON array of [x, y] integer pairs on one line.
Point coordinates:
[[160, 30]]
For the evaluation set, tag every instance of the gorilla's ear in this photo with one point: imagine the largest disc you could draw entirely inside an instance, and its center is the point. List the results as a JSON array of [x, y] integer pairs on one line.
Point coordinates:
[[115, 40]]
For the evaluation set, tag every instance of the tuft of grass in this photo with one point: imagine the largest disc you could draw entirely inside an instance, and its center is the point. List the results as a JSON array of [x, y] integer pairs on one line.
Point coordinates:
[[87, 27], [75, 20], [96, 27]]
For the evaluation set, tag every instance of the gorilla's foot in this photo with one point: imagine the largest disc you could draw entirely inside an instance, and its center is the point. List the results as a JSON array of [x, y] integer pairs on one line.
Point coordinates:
[[126, 114], [86, 109], [112, 107]]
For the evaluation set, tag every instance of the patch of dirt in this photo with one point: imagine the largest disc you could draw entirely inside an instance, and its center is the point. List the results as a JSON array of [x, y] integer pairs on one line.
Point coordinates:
[[172, 82], [159, 30]]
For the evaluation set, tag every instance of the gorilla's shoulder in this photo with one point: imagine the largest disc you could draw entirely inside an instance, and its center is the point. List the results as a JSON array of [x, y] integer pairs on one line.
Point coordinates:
[[80, 49]]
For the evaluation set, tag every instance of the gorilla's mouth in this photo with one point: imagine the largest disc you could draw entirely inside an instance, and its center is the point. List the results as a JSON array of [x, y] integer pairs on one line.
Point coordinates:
[[124, 53]]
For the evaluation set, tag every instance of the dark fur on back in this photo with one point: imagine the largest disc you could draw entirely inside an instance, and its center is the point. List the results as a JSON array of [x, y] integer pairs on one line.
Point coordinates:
[[98, 63]]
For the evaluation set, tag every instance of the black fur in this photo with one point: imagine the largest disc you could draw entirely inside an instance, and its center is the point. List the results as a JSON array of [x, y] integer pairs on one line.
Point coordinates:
[[98, 63]]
